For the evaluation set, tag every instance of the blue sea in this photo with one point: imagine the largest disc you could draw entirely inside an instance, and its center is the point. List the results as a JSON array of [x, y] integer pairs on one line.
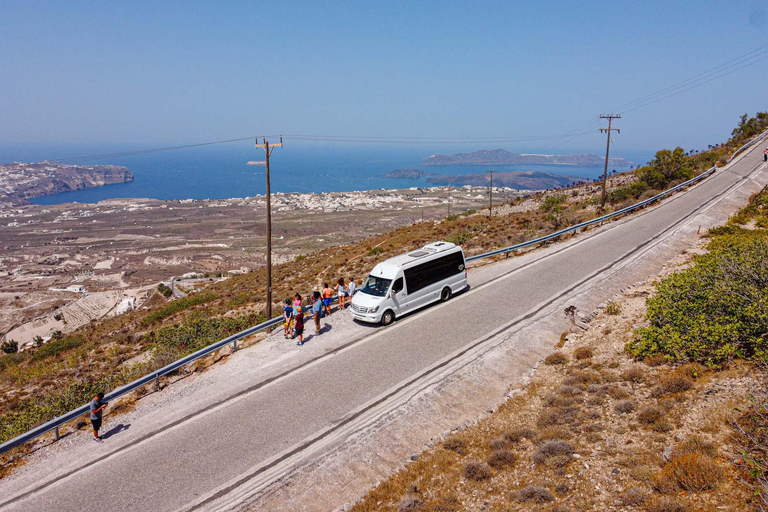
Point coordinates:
[[221, 171]]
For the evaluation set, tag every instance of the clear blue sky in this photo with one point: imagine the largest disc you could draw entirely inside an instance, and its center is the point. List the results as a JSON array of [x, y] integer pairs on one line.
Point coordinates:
[[157, 73]]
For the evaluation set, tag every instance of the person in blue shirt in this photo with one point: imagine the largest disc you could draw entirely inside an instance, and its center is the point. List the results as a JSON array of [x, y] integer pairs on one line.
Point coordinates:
[[288, 316]]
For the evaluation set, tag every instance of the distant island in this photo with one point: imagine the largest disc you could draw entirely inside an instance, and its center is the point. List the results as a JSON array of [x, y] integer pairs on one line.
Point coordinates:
[[410, 174], [22, 181], [503, 157], [519, 180]]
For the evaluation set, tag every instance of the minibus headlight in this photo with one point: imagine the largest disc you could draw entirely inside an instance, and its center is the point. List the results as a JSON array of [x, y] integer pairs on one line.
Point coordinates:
[[373, 309]]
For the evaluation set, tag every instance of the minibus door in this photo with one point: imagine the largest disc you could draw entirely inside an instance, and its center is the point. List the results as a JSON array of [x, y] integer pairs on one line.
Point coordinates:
[[399, 295]]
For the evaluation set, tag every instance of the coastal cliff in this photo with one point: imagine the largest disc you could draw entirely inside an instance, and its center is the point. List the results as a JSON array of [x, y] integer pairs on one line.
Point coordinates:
[[22, 181]]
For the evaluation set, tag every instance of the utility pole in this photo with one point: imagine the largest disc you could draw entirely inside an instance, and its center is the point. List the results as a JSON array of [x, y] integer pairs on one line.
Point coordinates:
[[267, 152], [449, 199], [490, 197], [609, 117]]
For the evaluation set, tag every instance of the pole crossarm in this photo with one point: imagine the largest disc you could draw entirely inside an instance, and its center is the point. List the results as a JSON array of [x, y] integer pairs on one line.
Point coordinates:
[[609, 117]]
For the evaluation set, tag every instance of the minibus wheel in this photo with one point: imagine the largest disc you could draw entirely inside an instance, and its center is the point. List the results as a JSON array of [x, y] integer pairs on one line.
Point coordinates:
[[388, 317], [445, 294]]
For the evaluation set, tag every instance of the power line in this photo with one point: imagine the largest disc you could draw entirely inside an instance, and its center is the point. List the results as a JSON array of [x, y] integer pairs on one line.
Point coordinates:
[[145, 151]]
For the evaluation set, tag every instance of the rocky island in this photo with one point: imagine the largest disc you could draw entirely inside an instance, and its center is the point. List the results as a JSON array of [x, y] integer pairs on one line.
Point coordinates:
[[22, 181], [503, 157], [518, 180], [410, 174]]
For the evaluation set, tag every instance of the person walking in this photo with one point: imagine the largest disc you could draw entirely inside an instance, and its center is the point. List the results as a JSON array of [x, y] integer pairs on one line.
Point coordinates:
[[97, 406], [288, 316], [341, 291], [300, 327], [327, 299], [765, 155], [317, 307]]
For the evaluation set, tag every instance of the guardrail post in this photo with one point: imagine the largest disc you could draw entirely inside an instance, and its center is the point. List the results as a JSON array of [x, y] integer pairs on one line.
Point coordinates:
[[234, 346], [57, 434], [157, 381]]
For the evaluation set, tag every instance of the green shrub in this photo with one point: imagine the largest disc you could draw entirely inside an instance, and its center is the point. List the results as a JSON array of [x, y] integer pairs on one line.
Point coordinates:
[[175, 307], [375, 251], [632, 191], [56, 347], [461, 238], [166, 291], [553, 203], [714, 311], [10, 347]]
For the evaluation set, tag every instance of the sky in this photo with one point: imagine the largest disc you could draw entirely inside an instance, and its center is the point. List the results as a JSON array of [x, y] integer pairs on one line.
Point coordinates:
[[149, 74]]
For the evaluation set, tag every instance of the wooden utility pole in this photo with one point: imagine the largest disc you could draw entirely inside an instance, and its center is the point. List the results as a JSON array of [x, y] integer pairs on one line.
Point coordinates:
[[609, 117], [449, 199], [490, 197], [268, 152]]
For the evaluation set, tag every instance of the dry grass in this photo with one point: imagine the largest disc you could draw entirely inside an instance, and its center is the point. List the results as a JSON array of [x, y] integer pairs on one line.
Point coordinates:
[[535, 494], [501, 458], [455, 445], [556, 358], [553, 448], [634, 496], [693, 472], [633, 374], [666, 504], [613, 308], [583, 353], [626, 406], [650, 414], [476, 471], [675, 383], [517, 434], [696, 444]]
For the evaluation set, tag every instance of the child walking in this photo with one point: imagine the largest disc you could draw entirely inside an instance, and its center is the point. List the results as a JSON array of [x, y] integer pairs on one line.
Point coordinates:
[[300, 327], [288, 316]]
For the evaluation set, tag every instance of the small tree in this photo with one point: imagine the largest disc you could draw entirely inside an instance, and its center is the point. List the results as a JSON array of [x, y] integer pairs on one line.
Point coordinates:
[[38, 340], [9, 347]]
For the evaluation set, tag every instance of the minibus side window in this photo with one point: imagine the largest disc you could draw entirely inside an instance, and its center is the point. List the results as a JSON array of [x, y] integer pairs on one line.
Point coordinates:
[[398, 286]]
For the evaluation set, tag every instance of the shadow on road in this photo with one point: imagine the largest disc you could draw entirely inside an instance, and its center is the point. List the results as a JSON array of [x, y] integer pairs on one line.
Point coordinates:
[[116, 430]]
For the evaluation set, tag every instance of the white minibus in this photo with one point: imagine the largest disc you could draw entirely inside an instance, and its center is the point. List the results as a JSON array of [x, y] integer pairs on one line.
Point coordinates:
[[408, 282]]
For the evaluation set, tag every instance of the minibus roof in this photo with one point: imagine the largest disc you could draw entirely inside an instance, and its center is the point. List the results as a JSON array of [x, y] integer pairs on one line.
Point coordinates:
[[388, 268]]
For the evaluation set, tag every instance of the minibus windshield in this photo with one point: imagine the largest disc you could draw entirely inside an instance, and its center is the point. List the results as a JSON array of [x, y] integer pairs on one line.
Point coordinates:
[[376, 286]]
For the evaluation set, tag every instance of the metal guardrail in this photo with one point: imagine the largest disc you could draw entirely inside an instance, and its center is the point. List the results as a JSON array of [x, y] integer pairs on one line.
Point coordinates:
[[155, 376]]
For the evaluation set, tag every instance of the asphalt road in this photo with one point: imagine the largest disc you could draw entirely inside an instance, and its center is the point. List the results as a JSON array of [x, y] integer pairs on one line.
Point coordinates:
[[227, 444]]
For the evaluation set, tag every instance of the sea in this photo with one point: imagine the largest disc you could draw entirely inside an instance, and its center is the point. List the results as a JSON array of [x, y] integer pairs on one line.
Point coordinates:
[[222, 171]]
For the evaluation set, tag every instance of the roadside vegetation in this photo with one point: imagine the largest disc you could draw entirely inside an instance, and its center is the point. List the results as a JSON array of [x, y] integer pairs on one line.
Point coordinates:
[[40, 383], [668, 416]]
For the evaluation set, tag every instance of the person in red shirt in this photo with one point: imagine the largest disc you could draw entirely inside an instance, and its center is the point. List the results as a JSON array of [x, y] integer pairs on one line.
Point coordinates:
[[299, 326]]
